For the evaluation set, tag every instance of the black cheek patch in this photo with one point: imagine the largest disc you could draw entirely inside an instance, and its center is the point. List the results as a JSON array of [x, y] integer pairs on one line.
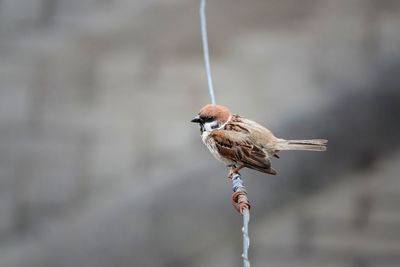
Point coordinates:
[[215, 126]]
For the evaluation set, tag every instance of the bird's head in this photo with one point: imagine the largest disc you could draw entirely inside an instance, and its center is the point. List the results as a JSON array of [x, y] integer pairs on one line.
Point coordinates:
[[211, 117]]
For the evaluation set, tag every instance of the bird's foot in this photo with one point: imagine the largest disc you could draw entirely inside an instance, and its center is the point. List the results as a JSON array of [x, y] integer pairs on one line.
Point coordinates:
[[234, 170]]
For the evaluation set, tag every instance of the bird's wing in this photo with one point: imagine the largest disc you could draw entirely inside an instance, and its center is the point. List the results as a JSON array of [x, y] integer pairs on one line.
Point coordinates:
[[259, 134], [236, 145]]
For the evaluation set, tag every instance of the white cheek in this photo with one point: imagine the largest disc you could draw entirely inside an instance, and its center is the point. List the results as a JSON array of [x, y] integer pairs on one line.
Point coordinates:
[[209, 126]]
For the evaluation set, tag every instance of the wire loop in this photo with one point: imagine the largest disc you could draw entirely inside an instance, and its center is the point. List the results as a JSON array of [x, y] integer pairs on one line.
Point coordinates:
[[240, 201]]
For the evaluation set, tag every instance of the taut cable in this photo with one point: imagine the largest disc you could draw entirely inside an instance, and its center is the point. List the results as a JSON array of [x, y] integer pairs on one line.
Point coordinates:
[[239, 197], [203, 23]]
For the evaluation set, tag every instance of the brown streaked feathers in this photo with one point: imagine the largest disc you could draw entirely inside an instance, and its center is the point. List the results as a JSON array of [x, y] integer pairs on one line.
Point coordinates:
[[235, 143]]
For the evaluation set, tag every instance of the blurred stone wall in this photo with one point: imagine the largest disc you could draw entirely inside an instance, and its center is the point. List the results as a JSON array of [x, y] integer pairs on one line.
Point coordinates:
[[95, 103]]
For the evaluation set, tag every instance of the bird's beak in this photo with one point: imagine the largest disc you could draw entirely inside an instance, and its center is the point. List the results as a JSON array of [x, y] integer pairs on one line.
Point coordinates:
[[196, 119]]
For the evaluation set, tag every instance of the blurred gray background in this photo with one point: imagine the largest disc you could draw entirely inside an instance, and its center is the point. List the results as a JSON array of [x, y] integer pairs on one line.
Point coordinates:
[[100, 166]]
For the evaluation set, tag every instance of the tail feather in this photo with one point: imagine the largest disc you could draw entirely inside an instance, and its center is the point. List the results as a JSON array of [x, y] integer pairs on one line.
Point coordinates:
[[309, 145]]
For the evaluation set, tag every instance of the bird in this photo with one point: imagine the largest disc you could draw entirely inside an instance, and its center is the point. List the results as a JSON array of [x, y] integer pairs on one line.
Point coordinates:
[[239, 142]]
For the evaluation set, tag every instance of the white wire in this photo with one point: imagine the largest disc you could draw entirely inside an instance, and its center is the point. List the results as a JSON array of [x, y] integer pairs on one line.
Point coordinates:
[[203, 24], [246, 239], [237, 185], [237, 182]]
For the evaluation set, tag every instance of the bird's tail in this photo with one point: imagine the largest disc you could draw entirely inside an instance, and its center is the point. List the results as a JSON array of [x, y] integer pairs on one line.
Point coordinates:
[[310, 145]]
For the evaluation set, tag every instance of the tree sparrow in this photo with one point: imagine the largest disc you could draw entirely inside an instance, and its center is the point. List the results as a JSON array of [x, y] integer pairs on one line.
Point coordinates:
[[239, 142]]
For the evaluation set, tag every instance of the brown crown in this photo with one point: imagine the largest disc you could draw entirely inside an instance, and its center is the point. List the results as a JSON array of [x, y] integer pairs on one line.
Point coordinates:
[[221, 113]]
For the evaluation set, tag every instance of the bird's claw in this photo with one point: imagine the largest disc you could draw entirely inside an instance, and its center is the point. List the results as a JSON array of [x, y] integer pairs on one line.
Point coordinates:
[[230, 175], [232, 171]]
